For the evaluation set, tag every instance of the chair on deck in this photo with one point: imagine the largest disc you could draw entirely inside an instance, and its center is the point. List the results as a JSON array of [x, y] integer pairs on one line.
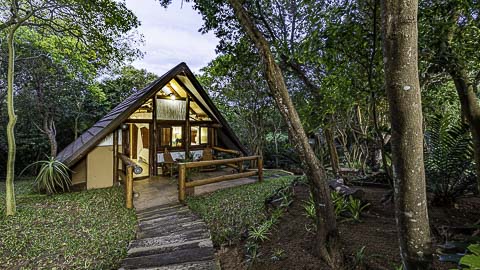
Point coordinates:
[[168, 163], [207, 155]]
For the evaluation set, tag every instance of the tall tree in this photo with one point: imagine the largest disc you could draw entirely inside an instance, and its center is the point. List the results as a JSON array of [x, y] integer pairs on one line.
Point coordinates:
[[91, 23], [451, 40], [226, 78], [328, 242], [399, 23]]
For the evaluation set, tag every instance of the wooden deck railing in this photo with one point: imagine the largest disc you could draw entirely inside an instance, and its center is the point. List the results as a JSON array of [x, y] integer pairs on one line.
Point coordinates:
[[228, 151], [183, 167], [127, 177]]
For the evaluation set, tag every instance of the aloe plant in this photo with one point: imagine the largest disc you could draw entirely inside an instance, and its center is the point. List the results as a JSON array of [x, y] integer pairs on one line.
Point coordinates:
[[53, 176]]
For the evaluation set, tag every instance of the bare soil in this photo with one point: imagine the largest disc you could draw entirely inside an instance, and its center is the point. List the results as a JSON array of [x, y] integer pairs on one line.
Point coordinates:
[[376, 232]]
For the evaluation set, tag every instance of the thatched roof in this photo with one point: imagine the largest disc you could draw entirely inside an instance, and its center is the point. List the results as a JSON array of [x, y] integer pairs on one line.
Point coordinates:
[[78, 149]]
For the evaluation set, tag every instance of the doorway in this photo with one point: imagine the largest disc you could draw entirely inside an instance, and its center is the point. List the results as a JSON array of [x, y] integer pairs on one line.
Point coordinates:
[[139, 147]]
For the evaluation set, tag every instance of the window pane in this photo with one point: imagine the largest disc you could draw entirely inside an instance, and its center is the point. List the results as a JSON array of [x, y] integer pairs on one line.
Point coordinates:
[[168, 109], [176, 136], [195, 136], [165, 136], [204, 138]]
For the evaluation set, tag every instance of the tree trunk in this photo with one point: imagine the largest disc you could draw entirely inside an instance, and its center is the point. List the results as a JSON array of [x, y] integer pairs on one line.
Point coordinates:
[[327, 237], [12, 119], [332, 150], [75, 127], [51, 132], [399, 21], [470, 108]]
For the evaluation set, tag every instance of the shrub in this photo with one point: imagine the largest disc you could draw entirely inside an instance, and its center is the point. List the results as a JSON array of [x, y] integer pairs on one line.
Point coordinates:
[[53, 176], [449, 159]]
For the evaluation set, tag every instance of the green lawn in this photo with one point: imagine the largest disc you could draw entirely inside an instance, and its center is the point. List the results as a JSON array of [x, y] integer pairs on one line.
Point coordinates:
[[80, 230], [229, 212]]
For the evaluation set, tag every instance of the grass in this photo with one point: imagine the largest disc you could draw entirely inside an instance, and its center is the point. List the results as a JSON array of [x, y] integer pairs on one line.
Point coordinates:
[[230, 212], [80, 230]]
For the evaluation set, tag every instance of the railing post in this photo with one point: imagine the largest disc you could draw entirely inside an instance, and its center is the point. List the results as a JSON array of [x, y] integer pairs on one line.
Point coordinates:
[[182, 173], [129, 187], [240, 166], [260, 168]]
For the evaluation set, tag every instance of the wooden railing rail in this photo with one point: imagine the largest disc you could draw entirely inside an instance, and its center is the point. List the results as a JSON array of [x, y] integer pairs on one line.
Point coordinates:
[[228, 151], [198, 164], [183, 167], [127, 177]]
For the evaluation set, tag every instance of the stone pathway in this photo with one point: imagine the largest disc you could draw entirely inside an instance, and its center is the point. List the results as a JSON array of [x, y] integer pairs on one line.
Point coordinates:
[[170, 237]]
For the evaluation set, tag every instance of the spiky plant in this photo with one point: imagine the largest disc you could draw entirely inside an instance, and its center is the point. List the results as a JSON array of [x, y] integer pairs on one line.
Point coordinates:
[[53, 176], [449, 164]]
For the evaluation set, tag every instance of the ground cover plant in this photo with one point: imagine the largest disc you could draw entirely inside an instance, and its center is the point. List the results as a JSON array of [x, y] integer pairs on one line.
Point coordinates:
[[78, 230], [230, 212]]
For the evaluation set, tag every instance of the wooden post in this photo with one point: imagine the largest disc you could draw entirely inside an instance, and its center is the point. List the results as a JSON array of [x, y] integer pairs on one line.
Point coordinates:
[[182, 173], [129, 187], [187, 129], [115, 157], [260, 168], [153, 140]]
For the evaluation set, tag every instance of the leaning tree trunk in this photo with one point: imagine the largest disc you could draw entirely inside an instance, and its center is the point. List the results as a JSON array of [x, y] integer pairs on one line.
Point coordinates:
[[12, 119], [470, 108], [327, 237], [403, 92], [332, 150]]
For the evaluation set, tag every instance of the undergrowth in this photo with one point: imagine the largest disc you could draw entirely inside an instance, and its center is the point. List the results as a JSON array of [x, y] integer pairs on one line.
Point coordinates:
[[230, 212], [79, 230]]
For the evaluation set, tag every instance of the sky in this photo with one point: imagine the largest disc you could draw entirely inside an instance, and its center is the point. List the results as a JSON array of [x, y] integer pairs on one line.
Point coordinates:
[[171, 36]]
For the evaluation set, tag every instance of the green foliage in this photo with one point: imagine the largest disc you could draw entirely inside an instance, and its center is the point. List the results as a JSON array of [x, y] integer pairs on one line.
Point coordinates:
[[471, 261], [278, 254], [230, 212], [355, 208], [260, 233], [339, 203], [53, 176], [310, 211], [80, 230], [344, 207], [253, 253], [360, 256], [449, 158]]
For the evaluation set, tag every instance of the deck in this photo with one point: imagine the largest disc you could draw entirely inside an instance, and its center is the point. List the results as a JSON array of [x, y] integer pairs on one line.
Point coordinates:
[[162, 190]]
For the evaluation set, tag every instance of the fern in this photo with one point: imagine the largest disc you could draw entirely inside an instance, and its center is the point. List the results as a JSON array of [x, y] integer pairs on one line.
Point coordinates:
[[449, 159]]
